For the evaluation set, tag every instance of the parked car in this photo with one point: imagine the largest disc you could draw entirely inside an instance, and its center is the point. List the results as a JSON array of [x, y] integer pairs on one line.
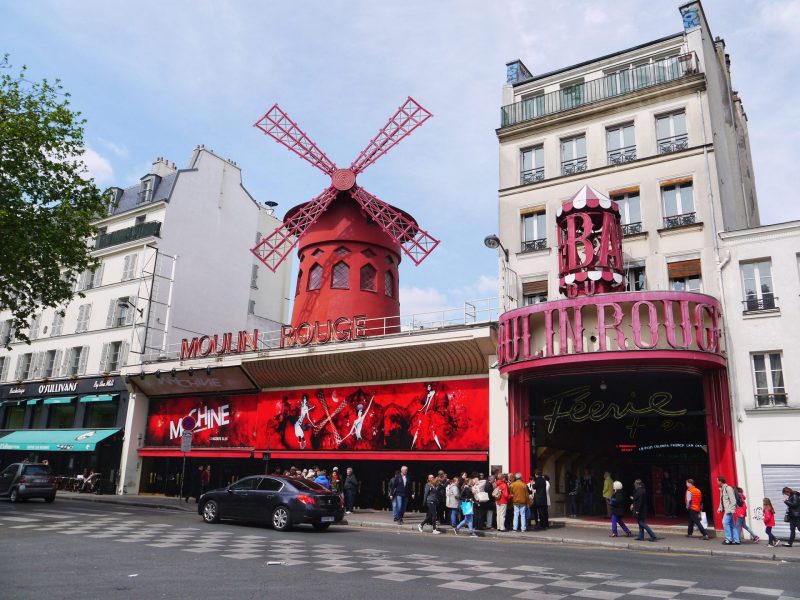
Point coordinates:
[[20, 481], [279, 501]]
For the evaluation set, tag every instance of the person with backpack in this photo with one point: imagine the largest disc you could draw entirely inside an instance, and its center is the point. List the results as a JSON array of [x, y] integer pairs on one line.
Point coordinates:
[[694, 504], [741, 514], [728, 503]]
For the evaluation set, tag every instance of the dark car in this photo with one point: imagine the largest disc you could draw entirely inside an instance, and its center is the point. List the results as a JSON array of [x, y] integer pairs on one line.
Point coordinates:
[[20, 481], [280, 501]]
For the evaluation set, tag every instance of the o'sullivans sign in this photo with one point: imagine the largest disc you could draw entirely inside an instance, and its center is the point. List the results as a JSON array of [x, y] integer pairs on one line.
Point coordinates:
[[619, 322]]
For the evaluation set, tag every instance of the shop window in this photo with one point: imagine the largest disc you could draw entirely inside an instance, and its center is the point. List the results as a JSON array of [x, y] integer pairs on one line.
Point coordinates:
[[315, 277], [534, 292], [340, 278], [36, 415], [368, 273], [62, 416], [101, 414], [768, 378], [388, 284], [15, 416]]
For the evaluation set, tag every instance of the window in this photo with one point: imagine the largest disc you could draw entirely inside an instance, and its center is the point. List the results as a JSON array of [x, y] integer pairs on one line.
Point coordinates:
[[75, 363], [254, 277], [49, 366], [757, 280], [671, 133], [270, 485], [620, 144], [129, 267], [388, 284], [534, 292], [251, 307], [533, 106], [532, 165], [635, 280], [685, 275], [572, 95], [113, 356], [340, 279], [678, 202], [58, 324], [33, 328], [248, 483], [768, 376], [84, 314], [140, 219], [534, 233], [573, 155], [62, 416], [15, 416], [315, 277], [342, 251], [121, 311], [146, 190], [367, 277], [103, 230], [24, 366], [101, 414], [5, 362], [299, 279], [36, 416], [6, 332], [368, 253], [630, 210]]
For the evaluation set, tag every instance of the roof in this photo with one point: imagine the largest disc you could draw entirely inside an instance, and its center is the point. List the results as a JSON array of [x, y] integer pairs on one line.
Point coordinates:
[[130, 196]]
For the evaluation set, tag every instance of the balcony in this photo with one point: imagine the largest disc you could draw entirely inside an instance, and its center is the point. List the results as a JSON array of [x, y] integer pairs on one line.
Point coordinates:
[[129, 234], [531, 176], [767, 302], [680, 220], [626, 81], [570, 167], [631, 229], [672, 144], [621, 155], [534, 245], [765, 400]]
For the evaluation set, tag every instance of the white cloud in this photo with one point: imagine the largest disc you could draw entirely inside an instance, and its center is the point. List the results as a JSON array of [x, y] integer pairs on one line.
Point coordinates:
[[487, 284], [118, 149], [98, 167], [415, 300], [595, 16], [782, 17]]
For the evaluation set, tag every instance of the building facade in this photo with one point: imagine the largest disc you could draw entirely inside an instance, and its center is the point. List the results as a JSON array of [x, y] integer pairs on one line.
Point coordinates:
[[156, 281]]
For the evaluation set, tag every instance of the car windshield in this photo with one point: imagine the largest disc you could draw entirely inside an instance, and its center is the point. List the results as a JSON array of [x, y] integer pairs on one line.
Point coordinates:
[[304, 485], [36, 470]]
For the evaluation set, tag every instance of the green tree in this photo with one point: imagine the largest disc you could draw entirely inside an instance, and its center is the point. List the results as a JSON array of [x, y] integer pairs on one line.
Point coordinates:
[[47, 200]]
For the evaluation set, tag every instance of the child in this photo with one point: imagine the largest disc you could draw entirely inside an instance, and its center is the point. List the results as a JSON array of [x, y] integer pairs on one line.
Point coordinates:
[[769, 522], [740, 515]]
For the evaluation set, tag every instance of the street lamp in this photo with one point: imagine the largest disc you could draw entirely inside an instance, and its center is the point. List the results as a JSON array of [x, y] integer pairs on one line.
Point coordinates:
[[510, 276], [493, 242]]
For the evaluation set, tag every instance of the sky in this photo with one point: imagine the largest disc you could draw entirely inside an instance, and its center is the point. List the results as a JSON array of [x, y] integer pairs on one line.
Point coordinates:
[[158, 78]]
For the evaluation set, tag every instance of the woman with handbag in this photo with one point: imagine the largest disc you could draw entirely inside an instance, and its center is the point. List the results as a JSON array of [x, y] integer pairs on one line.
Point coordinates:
[[792, 502], [453, 494], [467, 508], [617, 504]]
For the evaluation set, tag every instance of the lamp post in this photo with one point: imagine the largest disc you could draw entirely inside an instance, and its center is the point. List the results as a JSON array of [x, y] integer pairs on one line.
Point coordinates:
[[510, 276]]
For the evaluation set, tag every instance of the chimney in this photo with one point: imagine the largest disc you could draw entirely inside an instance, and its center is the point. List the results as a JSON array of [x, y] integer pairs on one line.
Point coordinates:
[[161, 167]]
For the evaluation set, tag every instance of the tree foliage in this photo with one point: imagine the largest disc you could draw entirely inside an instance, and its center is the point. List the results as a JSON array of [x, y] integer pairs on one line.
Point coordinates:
[[47, 200]]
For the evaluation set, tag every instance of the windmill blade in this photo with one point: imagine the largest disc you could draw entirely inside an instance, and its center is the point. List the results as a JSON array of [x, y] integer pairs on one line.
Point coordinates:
[[415, 242], [277, 124], [273, 249], [408, 117]]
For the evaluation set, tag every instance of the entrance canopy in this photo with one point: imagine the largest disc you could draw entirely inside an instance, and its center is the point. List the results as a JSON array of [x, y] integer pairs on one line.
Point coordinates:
[[56, 440]]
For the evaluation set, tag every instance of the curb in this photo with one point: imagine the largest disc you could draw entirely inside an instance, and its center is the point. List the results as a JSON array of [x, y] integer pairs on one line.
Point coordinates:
[[101, 500], [583, 542]]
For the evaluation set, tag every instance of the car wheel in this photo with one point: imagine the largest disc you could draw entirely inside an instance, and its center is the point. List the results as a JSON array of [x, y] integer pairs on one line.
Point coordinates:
[[321, 526], [280, 519], [14, 495], [211, 511], [50, 498]]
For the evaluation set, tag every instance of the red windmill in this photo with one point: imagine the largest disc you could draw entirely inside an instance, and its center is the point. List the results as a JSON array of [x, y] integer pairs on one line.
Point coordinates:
[[350, 241]]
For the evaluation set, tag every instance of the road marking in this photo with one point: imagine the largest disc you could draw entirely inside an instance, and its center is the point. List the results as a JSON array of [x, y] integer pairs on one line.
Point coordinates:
[[675, 582], [757, 590]]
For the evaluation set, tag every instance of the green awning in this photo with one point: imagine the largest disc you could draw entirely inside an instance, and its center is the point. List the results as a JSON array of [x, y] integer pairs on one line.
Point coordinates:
[[60, 400], [33, 401], [56, 440], [98, 398]]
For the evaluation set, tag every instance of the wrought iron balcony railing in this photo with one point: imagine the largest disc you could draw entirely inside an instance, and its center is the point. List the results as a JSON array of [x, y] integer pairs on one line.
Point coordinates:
[[533, 245], [531, 176], [632, 228], [129, 234], [570, 167], [621, 155], [676, 143], [763, 400], [766, 302], [625, 81], [680, 220]]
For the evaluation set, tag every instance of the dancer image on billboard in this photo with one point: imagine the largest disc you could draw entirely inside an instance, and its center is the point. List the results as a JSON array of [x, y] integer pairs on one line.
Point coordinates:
[[359, 422], [299, 426], [428, 422]]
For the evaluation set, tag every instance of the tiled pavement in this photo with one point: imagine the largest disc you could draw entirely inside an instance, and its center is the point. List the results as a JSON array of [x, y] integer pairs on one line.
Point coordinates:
[[521, 581]]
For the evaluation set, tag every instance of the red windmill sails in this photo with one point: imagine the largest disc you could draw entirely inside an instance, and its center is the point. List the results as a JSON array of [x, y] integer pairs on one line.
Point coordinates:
[[347, 267]]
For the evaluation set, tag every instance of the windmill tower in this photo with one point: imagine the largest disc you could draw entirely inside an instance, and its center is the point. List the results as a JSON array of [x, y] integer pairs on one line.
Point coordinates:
[[350, 242]]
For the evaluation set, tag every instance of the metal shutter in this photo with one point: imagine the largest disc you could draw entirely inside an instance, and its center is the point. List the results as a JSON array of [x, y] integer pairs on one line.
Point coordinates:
[[775, 478]]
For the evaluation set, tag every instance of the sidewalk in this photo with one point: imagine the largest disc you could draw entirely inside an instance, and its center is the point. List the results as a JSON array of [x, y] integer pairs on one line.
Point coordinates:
[[564, 531]]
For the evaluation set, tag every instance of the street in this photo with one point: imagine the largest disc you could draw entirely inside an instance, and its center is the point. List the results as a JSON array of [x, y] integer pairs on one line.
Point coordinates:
[[75, 549]]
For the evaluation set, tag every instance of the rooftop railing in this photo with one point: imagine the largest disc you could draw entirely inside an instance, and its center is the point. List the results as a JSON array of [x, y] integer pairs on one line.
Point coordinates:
[[624, 81]]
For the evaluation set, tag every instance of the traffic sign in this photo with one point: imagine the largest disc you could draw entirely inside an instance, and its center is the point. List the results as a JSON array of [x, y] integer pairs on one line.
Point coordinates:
[[188, 423], [186, 441]]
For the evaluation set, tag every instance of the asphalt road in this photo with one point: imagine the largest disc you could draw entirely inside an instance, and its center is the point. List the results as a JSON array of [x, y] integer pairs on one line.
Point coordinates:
[[73, 549]]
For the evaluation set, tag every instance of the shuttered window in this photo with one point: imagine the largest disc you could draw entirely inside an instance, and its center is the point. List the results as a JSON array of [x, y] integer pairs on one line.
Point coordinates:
[[684, 268]]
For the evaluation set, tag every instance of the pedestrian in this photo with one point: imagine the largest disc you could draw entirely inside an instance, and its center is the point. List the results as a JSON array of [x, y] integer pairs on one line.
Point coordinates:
[[694, 504], [640, 510], [443, 482], [399, 493], [668, 493], [608, 491], [510, 504], [336, 482], [792, 502], [452, 500], [531, 516], [192, 487], [205, 479], [519, 497], [727, 506], [741, 515], [587, 490], [430, 500], [572, 485], [617, 503], [350, 491], [500, 495], [491, 507], [467, 507], [481, 499], [769, 522], [540, 501], [322, 479]]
